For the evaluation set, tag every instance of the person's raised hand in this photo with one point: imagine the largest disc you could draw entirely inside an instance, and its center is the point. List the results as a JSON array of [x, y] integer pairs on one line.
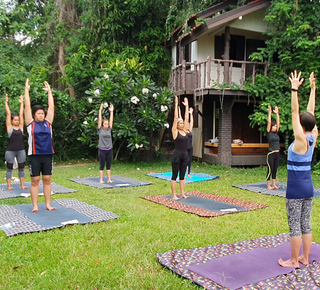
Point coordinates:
[[276, 110], [6, 98], [111, 108], [46, 87], [296, 80], [185, 102], [27, 86], [312, 80]]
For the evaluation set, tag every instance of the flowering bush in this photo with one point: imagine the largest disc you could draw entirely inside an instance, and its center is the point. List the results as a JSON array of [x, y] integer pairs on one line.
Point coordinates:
[[140, 108]]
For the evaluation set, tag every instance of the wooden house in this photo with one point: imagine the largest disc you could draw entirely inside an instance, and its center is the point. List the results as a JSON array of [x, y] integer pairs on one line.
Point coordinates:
[[211, 52]]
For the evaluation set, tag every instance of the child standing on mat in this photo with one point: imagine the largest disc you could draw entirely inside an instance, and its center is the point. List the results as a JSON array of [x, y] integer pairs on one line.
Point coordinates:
[[299, 196], [40, 149], [105, 143], [15, 149], [180, 153], [273, 157]]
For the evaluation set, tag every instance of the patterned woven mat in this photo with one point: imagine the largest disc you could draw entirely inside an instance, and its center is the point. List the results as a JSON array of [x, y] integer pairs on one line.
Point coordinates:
[[18, 192], [119, 181], [261, 187], [14, 221], [178, 261], [169, 202]]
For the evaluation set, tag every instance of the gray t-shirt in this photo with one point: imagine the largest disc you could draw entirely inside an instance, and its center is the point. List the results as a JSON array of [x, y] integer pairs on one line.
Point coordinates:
[[274, 141], [105, 138]]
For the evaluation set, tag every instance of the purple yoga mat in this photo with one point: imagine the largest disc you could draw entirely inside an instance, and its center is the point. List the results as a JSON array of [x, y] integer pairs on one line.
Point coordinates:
[[236, 270]]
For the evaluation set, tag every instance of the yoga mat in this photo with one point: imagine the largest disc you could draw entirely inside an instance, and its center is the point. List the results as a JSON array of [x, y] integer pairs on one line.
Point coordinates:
[[20, 219], [184, 261], [261, 187], [119, 181], [205, 204], [236, 270], [196, 177], [18, 192]]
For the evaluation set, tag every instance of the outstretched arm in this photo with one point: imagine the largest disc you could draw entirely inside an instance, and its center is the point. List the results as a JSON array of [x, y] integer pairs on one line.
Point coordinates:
[[111, 109], [276, 111], [269, 119], [50, 112], [312, 102], [8, 118], [27, 105], [191, 120], [21, 112], [174, 129], [100, 116], [186, 112], [300, 144]]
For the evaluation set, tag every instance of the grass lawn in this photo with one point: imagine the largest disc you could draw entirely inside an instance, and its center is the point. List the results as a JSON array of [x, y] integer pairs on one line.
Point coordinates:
[[121, 253]]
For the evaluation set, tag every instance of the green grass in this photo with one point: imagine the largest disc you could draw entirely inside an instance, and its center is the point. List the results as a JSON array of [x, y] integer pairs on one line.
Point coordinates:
[[121, 253]]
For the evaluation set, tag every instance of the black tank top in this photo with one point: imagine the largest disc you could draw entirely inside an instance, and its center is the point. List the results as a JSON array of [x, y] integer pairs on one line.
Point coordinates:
[[15, 140], [181, 142]]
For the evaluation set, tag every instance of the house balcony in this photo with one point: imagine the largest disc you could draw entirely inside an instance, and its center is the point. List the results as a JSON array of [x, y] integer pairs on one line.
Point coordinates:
[[213, 74]]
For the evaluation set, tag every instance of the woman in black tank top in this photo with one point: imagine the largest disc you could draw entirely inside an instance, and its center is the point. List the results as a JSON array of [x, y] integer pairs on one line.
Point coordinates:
[[180, 154], [15, 149]]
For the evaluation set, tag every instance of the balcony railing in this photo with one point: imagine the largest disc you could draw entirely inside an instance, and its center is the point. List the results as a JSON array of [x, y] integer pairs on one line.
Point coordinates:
[[214, 73]]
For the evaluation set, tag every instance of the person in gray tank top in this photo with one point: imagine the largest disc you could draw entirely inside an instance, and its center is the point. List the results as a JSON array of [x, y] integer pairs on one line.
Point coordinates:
[[273, 157], [105, 143]]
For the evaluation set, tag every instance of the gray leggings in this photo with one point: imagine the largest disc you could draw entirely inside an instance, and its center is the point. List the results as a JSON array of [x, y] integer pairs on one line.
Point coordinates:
[[21, 158], [299, 214]]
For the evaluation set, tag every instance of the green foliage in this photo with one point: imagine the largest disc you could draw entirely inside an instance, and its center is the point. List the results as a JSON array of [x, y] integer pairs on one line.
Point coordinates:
[[141, 108]]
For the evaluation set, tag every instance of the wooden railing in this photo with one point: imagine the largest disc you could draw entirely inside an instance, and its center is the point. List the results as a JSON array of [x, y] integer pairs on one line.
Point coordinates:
[[214, 73]]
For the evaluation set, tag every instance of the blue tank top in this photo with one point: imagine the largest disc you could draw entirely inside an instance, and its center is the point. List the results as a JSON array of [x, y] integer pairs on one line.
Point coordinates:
[[300, 184], [40, 138]]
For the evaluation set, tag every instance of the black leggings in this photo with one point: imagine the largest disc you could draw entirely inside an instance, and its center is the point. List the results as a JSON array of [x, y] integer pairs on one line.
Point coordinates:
[[179, 164], [190, 155], [105, 156], [273, 159]]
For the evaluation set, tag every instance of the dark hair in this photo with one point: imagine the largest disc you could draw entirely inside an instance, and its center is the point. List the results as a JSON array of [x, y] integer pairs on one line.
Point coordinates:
[[36, 108], [273, 123], [14, 115], [308, 121]]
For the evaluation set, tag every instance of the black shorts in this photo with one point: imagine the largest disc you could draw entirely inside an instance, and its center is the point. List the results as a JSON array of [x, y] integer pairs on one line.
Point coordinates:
[[40, 164]]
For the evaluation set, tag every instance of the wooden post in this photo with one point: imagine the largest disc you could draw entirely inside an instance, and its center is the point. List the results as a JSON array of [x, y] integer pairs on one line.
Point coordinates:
[[243, 75], [208, 72], [230, 73], [196, 75], [183, 75], [226, 54], [218, 74], [254, 74]]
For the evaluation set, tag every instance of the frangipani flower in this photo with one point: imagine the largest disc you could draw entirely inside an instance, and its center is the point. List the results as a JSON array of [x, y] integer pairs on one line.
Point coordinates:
[[166, 125], [90, 100], [164, 108], [96, 92], [135, 100], [85, 123], [155, 95], [105, 105], [145, 91], [106, 76]]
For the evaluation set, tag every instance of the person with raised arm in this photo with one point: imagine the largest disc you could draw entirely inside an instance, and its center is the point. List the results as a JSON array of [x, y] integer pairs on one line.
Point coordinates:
[[180, 153], [273, 156], [40, 149], [299, 195], [105, 143], [190, 146], [15, 148]]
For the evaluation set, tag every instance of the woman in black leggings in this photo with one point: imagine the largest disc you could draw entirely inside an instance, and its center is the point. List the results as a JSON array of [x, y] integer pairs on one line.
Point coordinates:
[[180, 154], [273, 156], [105, 143]]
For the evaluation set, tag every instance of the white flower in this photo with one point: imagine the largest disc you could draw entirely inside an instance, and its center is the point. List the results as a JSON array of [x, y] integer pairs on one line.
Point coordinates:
[[95, 119], [141, 146], [135, 100], [137, 146], [138, 168], [105, 105], [90, 100], [106, 76], [164, 108], [96, 92], [145, 91], [166, 125], [85, 123], [155, 95]]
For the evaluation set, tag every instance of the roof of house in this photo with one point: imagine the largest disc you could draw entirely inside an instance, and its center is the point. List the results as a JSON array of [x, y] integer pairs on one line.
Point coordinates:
[[217, 18]]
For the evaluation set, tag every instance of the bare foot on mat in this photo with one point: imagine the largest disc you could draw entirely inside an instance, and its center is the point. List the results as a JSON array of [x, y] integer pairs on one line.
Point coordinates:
[[50, 208], [110, 181], [23, 187], [303, 261], [35, 210], [288, 263], [102, 182], [184, 196], [271, 188]]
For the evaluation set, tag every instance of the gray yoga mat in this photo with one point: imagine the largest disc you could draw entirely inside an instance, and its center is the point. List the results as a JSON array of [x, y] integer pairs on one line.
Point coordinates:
[[208, 204], [20, 219], [18, 192], [261, 187], [119, 181]]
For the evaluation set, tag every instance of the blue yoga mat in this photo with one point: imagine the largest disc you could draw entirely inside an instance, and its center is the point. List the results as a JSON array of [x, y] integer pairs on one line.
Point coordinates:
[[208, 204], [196, 177], [52, 219]]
